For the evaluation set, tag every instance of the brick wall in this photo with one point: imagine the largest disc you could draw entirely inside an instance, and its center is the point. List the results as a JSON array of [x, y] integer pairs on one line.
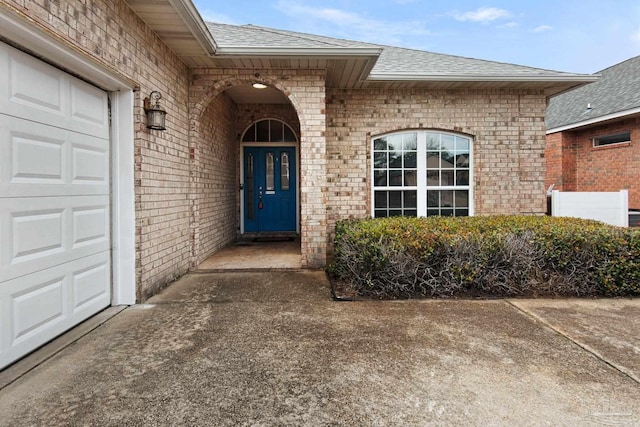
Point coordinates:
[[560, 156], [111, 34], [507, 127], [214, 191], [606, 168]]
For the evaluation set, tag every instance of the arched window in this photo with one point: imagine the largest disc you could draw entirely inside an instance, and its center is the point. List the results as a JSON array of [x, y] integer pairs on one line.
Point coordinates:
[[422, 173], [269, 130]]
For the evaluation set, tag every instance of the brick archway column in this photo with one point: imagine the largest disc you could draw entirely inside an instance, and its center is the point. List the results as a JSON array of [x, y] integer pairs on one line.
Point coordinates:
[[313, 172], [305, 89]]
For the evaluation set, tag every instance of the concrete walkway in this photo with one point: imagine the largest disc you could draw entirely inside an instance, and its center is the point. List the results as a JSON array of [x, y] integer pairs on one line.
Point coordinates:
[[272, 348]]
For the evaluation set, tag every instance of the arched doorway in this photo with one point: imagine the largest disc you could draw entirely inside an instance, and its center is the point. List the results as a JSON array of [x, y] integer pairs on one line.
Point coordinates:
[[269, 178], [223, 107]]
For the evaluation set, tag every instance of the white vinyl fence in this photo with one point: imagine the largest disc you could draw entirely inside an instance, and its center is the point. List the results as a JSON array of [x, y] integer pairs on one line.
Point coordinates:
[[612, 208]]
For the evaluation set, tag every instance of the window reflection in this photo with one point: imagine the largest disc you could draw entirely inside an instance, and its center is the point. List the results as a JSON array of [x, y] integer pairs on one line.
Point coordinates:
[[284, 171], [250, 183], [443, 186], [270, 178]]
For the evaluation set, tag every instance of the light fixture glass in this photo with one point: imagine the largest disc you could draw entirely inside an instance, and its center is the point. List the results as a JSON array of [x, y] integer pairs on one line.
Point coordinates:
[[259, 86], [155, 113]]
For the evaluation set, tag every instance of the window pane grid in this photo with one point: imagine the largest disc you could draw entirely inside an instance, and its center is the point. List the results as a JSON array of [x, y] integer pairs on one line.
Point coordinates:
[[448, 202], [268, 130], [437, 170], [395, 203]]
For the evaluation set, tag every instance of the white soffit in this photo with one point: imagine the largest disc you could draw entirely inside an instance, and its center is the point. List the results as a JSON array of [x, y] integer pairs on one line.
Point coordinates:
[[178, 24]]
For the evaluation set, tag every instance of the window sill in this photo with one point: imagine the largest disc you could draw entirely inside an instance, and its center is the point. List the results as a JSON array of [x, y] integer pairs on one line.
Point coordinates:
[[610, 146]]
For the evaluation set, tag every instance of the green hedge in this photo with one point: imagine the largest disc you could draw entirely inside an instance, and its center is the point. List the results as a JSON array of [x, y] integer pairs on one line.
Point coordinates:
[[485, 256]]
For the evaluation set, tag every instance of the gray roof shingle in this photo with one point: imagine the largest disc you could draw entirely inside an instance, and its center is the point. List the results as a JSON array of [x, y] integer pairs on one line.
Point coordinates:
[[617, 90], [230, 36], [393, 60]]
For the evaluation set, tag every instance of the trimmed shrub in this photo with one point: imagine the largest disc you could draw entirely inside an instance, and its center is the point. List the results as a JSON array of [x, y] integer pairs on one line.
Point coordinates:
[[485, 256]]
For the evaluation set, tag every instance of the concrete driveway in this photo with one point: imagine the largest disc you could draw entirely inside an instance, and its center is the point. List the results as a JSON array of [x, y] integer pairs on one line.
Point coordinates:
[[272, 349]]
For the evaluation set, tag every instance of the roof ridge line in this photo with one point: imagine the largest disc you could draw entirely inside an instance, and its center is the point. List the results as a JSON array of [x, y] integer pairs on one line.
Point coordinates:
[[619, 63]]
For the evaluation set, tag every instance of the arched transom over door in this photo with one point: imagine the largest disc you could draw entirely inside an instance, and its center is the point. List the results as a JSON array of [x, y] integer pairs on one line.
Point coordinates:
[[270, 191]]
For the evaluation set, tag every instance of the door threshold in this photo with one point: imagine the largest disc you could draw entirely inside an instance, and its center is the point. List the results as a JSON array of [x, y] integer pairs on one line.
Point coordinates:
[[265, 236]]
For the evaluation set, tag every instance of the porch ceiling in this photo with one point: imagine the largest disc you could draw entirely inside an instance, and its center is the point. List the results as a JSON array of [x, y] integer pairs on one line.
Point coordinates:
[[247, 94]]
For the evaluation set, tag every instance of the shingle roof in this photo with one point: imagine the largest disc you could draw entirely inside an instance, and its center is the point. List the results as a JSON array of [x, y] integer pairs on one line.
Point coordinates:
[[400, 60], [617, 90], [392, 60], [230, 36]]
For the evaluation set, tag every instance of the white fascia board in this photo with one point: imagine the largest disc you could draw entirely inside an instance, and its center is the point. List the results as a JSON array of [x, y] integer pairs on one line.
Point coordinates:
[[594, 120], [193, 20], [330, 52], [575, 78]]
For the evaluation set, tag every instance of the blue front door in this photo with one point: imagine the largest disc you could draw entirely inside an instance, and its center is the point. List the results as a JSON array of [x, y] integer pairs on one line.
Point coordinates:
[[269, 189]]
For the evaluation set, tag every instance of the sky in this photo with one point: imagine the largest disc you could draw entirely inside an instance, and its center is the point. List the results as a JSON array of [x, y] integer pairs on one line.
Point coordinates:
[[580, 36]]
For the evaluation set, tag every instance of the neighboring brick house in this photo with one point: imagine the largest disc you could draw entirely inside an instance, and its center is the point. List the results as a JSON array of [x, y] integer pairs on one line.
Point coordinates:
[[593, 134], [97, 209]]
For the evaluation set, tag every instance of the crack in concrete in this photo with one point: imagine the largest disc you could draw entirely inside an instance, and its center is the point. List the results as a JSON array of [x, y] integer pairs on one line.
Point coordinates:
[[527, 313]]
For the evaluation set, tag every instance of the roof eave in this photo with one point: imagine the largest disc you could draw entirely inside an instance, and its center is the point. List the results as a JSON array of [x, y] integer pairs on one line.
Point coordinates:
[[193, 20], [594, 120], [299, 52], [577, 79]]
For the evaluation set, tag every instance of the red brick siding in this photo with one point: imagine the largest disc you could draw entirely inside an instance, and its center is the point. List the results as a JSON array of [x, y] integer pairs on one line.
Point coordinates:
[[560, 156], [612, 167]]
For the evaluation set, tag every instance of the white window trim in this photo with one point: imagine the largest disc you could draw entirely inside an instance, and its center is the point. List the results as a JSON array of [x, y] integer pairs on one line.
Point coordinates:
[[596, 138], [422, 187]]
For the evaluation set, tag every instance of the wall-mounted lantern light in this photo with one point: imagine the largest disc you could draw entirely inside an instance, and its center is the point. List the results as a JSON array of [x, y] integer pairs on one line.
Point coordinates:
[[155, 113]]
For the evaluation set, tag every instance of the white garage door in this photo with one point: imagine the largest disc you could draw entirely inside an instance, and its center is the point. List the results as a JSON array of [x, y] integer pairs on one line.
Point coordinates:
[[54, 203]]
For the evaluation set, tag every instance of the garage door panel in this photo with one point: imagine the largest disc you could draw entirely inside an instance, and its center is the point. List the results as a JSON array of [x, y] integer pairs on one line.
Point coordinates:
[[37, 307], [90, 286], [55, 225], [89, 107], [33, 87], [36, 91], [32, 153], [41, 232], [90, 166], [36, 234], [90, 226], [28, 147], [46, 161]]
